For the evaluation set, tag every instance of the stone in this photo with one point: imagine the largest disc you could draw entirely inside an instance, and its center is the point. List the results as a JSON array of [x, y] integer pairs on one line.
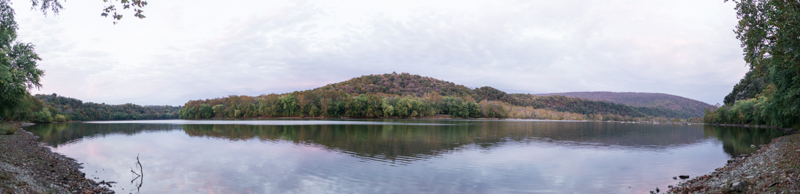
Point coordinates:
[[738, 186], [683, 176]]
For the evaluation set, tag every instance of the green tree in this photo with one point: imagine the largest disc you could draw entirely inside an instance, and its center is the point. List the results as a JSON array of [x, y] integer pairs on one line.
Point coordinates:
[[206, 111], [18, 68], [289, 105], [769, 31], [218, 110], [43, 116], [18, 61]]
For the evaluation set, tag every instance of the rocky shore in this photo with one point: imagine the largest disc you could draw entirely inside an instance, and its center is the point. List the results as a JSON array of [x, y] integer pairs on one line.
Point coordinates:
[[774, 168], [28, 167]]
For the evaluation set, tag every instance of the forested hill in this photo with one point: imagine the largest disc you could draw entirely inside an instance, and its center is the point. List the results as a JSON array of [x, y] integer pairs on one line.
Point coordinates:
[[645, 104], [651, 100], [406, 95], [60, 108], [403, 84]]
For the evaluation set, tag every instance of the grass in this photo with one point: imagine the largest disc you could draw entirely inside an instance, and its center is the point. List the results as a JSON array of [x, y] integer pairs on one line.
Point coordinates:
[[8, 128]]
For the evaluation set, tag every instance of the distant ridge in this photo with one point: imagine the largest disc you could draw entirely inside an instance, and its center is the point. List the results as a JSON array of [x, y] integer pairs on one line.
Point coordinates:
[[404, 95], [404, 84], [638, 99]]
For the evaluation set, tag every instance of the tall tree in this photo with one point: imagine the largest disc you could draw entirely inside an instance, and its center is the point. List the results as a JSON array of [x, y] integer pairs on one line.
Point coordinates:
[[769, 31], [18, 71], [18, 68]]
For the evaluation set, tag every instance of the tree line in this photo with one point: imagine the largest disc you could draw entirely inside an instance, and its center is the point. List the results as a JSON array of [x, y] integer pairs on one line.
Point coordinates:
[[405, 95], [769, 94], [60, 109]]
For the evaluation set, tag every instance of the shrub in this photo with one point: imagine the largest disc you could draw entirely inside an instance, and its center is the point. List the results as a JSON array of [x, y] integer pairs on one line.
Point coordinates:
[[8, 128], [43, 117], [60, 118]]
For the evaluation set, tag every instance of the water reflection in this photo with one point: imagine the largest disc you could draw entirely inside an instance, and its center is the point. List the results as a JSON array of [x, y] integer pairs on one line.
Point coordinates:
[[397, 156], [737, 140], [398, 141], [57, 134]]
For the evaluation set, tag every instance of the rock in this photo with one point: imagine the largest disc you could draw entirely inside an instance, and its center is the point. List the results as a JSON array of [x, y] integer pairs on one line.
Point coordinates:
[[752, 146], [738, 186], [683, 176], [674, 178]]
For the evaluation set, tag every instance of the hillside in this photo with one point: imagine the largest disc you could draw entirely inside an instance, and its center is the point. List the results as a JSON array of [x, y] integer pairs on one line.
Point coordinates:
[[683, 105], [406, 95], [660, 105], [74, 109], [403, 84]]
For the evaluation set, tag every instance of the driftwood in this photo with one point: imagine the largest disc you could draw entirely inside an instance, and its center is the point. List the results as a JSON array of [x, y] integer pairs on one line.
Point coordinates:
[[139, 176], [107, 183]]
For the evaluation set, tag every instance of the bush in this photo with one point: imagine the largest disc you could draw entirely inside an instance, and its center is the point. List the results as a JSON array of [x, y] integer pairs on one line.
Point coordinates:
[[60, 118], [43, 117], [8, 128]]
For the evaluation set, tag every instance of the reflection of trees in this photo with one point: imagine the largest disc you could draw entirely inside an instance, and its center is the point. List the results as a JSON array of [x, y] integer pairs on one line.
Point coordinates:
[[399, 141], [55, 134], [373, 141], [737, 140], [406, 142], [612, 133]]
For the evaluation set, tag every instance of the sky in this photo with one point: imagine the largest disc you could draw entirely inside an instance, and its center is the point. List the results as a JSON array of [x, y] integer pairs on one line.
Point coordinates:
[[188, 49]]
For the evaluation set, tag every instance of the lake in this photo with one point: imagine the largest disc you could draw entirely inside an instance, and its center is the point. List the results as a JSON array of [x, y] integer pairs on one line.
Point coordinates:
[[395, 156]]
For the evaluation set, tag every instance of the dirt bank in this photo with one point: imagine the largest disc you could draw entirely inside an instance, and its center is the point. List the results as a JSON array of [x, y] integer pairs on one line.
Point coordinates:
[[774, 168], [28, 167]]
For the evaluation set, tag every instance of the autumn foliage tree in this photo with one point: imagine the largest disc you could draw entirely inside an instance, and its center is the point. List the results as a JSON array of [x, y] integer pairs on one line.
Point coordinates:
[[404, 95]]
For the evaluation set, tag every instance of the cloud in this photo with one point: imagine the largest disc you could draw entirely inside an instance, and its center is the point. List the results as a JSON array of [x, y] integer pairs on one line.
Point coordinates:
[[194, 50]]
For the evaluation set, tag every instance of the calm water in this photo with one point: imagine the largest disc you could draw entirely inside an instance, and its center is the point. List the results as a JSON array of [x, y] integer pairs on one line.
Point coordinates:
[[396, 156]]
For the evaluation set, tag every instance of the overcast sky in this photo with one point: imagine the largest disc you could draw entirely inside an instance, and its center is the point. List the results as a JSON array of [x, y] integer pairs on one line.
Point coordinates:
[[188, 49]]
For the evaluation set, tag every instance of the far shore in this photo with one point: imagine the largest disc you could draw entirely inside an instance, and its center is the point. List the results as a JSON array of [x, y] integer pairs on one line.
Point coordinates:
[[447, 117]]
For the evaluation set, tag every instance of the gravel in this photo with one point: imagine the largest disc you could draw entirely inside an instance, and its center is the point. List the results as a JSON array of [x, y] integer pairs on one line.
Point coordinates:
[[774, 168], [26, 166]]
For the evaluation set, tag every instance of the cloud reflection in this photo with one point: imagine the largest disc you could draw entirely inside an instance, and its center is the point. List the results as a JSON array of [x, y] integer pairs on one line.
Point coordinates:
[[461, 157]]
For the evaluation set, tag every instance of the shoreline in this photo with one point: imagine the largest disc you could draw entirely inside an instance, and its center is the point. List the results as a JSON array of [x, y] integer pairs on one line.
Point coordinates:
[[774, 168], [26, 166], [787, 130]]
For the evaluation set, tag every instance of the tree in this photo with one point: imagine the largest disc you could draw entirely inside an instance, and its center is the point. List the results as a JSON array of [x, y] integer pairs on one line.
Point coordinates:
[[110, 8], [18, 71], [769, 31], [18, 61]]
